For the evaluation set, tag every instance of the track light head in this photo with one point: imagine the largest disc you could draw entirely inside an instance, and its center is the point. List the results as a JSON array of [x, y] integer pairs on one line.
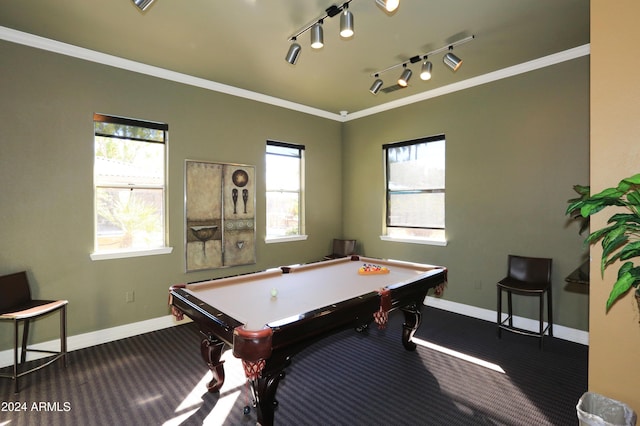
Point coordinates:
[[143, 4], [293, 53], [317, 35], [346, 23], [451, 60], [388, 5], [425, 71], [403, 81], [376, 86]]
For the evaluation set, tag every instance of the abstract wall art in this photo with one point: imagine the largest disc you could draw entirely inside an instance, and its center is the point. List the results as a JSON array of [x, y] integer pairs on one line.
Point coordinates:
[[219, 215]]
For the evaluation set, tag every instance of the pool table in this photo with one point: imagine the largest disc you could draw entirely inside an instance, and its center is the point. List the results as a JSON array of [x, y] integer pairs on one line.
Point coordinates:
[[267, 317]]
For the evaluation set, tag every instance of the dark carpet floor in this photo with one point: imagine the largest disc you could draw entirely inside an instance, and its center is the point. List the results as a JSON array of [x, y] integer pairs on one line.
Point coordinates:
[[460, 374]]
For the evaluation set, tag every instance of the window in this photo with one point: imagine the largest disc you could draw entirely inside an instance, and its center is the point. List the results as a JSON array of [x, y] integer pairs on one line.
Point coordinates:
[[129, 184], [415, 187], [284, 182]]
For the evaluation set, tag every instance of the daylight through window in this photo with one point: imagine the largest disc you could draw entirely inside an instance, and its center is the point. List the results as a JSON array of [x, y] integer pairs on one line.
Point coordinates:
[[129, 180], [284, 189], [415, 180]]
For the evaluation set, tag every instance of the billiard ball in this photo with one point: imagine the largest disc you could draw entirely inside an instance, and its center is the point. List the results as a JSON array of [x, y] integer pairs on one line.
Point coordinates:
[[274, 292]]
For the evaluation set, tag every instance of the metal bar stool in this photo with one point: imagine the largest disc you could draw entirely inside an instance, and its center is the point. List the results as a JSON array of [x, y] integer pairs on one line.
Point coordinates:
[[18, 307], [527, 276]]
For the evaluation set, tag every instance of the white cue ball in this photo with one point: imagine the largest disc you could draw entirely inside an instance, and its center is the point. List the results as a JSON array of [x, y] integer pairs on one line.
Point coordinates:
[[274, 292]]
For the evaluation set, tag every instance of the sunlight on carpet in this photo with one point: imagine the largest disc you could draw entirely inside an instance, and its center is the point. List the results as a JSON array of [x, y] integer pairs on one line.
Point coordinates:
[[229, 393], [459, 355]]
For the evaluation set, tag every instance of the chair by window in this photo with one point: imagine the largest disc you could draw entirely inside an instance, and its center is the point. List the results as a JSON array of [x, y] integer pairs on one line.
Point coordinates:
[[527, 276], [342, 248], [17, 306]]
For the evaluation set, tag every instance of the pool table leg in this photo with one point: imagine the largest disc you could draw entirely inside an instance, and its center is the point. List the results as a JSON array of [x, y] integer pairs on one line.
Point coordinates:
[[412, 320], [211, 351], [264, 390]]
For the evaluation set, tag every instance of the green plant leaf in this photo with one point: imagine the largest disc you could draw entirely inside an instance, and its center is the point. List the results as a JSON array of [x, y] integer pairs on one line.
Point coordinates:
[[620, 239], [589, 208], [628, 218], [633, 180], [630, 250], [634, 197], [624, 186], [583, 190], [624, 283], [612, 193], [610, 247], [596, 235], [574, 206]]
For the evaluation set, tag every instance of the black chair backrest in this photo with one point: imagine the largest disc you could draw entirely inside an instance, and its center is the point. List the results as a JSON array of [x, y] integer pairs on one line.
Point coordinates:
[[530, 269], [15, 291]]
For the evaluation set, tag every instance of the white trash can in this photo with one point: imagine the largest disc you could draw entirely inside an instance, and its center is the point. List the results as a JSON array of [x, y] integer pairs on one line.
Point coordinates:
[[598, 410]]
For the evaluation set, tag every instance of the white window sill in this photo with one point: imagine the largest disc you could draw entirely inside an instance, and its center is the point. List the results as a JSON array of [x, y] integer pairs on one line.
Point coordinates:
[[133, 253], [425, 241], [285, 239]]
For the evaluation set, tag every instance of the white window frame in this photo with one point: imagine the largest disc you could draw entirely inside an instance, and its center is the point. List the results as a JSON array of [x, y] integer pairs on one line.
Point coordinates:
[[131, 252], [301, 195], [387, 226]]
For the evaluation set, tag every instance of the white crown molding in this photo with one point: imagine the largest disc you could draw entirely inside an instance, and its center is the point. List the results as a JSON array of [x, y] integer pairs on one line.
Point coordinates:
[[43, 43], [38, 42], [532, 65]]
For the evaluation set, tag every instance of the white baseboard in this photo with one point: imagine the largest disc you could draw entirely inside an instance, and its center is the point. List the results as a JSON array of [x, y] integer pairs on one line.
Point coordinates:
[[559, 331], [85, 340], [93, 338]]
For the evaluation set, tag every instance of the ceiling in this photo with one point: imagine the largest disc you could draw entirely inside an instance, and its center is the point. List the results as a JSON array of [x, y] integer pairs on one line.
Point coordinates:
[[242, 43]]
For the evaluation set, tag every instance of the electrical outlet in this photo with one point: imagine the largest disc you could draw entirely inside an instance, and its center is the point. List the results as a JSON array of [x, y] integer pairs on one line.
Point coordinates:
[[129, 296]]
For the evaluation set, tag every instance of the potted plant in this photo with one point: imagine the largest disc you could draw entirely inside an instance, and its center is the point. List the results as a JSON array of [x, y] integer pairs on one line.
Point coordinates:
[[620, 239]]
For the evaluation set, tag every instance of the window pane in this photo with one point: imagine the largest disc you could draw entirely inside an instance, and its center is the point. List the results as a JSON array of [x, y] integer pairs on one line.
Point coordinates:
[[283, 150], [283, 214], [283, 173], [129, 132], [416, 189], [123, 161], [417, 209], [419, 166], [129, 218]]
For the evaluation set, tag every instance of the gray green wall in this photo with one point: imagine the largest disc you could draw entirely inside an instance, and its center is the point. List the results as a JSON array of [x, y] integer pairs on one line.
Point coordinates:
[[514, 150], [46, 175]]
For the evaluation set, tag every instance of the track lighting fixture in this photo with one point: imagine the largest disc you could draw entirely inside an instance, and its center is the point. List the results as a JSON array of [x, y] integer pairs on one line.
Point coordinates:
[[317, 35], [376, 86], [403, 81], [143, 4], [346, 22], [388, 5], [425, 71], [451, 60], [315, 27], [293, 53]]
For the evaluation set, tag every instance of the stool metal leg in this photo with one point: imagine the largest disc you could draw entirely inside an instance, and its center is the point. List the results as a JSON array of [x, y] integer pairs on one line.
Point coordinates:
[[63, 334], [541, 313], [25, 337], [499, 312], [15, 355], [549, 312]]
